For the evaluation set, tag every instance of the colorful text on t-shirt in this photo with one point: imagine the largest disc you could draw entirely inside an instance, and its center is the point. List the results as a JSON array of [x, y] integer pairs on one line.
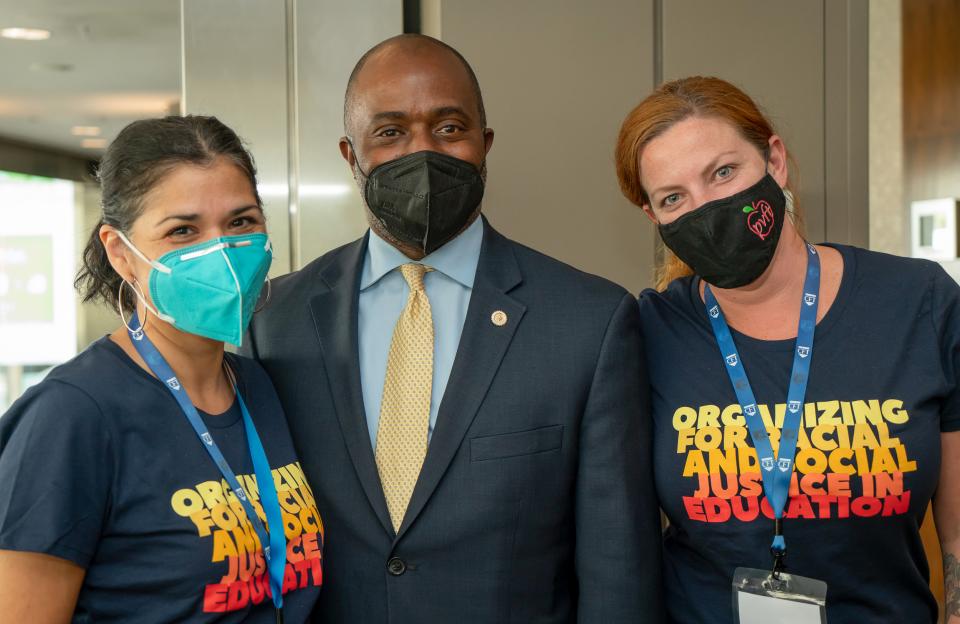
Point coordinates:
[[220, 518], [848, 463]]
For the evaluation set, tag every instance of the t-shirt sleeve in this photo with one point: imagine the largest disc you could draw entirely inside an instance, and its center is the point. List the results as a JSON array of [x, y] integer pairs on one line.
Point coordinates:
[[945, 309], [645, 295], [57, 465]]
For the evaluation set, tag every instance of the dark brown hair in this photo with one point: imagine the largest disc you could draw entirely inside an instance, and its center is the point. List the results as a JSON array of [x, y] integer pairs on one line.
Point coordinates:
[[135, 162]]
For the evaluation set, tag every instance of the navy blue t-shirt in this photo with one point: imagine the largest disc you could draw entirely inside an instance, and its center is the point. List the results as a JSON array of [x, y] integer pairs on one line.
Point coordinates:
[[99, 466], [882, 387]]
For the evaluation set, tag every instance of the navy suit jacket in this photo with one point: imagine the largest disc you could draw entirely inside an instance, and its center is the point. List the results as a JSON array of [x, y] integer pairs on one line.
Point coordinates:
[[535, 502]]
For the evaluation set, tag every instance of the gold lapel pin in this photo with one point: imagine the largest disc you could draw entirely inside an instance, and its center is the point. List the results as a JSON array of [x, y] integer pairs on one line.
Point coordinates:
[[499, 318]]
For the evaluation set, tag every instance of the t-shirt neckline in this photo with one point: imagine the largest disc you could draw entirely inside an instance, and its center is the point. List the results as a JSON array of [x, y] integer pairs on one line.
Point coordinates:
[[847, 280], [219, 421]]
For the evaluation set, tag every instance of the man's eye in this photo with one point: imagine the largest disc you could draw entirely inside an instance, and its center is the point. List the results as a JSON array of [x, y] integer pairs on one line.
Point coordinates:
[[389, 133], [449, 129]]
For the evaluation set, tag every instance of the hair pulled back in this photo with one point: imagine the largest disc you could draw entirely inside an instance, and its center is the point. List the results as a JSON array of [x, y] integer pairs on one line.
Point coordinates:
[[669, 104], [134, 163]]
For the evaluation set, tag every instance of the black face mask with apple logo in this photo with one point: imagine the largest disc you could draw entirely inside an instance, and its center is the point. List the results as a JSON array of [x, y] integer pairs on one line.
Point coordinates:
[[730, 242]]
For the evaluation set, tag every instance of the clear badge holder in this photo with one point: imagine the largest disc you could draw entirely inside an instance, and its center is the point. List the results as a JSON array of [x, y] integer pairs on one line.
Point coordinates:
[[765, 597]]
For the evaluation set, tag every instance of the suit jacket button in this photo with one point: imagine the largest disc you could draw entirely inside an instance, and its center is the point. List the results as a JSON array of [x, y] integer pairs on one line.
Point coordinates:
[[396, 566]]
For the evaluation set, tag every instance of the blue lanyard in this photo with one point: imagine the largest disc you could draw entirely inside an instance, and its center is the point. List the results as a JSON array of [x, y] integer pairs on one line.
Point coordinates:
[[777, 472], [274, 543]]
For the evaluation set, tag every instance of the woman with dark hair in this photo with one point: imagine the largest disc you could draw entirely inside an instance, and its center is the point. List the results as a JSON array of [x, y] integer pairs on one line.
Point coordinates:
[[805, 397], [153, 478]]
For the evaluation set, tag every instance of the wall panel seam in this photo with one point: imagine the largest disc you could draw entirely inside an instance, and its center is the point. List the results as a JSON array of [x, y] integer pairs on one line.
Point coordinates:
[[293, 130]]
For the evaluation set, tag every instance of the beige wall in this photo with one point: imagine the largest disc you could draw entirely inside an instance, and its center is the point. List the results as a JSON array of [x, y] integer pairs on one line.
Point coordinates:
[[889, 222], [558, 77], [773, 51], [805, 63], [331, 36], [236, 69], [276, 71]]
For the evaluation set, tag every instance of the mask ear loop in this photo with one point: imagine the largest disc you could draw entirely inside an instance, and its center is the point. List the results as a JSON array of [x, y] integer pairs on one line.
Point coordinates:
[[787, 194], [363, 192], [362, 186], [356, 159], [138, 332]]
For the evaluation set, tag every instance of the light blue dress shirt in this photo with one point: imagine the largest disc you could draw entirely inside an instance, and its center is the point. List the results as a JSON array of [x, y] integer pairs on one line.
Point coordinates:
[[383, 295]]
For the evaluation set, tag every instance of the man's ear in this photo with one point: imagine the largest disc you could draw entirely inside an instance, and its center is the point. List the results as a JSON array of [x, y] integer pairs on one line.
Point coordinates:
[[487, 140], [346, 150]]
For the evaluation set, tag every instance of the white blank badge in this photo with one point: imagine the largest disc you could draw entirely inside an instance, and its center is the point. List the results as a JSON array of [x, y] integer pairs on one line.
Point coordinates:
[[756, 609], [759, 597]]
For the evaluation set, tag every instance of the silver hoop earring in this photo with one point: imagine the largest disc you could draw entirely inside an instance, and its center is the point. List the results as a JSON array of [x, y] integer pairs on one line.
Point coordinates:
[[137, 333], [266, 299]]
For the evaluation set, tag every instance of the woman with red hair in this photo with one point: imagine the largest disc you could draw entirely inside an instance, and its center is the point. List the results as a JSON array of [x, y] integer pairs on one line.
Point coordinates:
[[805, 397]]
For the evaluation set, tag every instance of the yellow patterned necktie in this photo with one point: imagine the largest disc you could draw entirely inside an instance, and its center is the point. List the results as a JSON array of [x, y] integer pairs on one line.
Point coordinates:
[[405, 407]]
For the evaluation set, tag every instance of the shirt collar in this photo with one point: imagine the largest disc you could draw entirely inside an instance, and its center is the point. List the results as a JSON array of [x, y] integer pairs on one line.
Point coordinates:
[[457, 259]]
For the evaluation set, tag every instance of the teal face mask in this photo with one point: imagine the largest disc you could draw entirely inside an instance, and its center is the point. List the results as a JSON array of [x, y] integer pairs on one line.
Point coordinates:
[[209, 289]]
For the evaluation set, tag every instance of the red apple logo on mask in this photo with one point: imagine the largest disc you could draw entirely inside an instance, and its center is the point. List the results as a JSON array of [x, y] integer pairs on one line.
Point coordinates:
[[760, 218]]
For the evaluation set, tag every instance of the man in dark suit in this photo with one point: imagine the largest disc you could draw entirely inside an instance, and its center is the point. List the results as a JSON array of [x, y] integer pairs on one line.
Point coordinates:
[[471, 414]]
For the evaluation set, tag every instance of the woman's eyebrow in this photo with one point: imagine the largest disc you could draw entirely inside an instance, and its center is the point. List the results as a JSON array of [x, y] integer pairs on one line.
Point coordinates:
[[194, 216]]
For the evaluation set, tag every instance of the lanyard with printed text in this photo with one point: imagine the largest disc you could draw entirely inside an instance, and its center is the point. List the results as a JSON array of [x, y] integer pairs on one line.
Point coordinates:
[[273, 542], [776, 472]]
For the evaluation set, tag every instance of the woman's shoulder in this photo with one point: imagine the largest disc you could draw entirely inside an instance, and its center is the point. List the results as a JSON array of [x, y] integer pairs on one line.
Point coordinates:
[[59, 432], [897, 292], [68, 404], [872, 264], [678, 295], [100, 388], [669, 317], [91, 373]]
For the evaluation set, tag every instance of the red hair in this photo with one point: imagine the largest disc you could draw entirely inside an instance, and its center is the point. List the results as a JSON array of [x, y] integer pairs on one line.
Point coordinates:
[[670, 103]]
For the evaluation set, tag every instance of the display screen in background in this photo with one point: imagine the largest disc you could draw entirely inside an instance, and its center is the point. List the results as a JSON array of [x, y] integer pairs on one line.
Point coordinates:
[[38, 261], [26, 279]]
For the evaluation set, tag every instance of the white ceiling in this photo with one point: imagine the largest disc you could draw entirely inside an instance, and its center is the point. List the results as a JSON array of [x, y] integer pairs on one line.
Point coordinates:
[[125, 64]]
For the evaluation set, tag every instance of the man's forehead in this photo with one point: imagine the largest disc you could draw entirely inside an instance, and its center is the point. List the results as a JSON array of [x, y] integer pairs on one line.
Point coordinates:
[[392, 67], [410, 72], [401, 115], [411, 52], [414, 88]]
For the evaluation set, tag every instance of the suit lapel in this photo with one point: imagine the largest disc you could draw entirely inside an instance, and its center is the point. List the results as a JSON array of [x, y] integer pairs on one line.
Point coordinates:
[[335, 315], [482, 346]]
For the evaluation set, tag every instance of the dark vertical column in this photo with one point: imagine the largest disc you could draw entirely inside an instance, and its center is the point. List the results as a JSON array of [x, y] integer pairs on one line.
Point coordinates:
[[411, 16], [845, 128]]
